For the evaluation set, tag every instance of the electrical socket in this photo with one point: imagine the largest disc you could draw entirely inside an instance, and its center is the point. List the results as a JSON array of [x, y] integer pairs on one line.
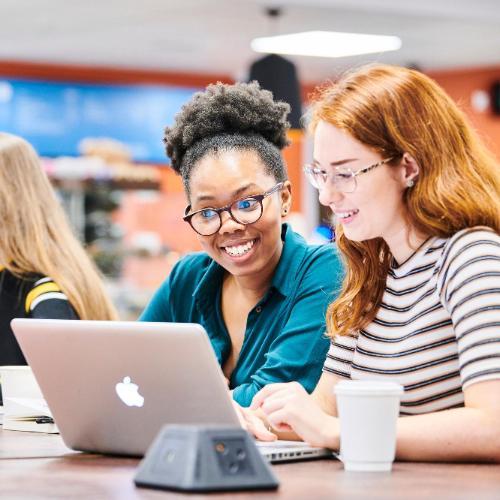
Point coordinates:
[[232, 456], [204, 458]]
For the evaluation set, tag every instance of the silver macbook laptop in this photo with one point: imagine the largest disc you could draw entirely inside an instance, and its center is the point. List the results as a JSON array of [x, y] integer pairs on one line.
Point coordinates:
[[112, 385]]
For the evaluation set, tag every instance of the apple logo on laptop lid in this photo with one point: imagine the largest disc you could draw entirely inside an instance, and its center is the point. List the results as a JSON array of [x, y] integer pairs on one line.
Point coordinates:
[[129, 393]]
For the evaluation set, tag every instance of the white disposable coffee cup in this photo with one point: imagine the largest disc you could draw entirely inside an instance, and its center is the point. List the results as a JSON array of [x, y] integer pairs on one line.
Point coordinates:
[[368, 411]]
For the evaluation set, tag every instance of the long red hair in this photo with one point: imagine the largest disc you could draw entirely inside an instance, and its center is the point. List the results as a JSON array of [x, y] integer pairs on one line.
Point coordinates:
[[395, 110]]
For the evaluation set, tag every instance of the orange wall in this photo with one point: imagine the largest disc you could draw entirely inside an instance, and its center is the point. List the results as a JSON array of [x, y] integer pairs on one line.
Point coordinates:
[[293, 160], [460, 85], [98, 74], [163, 215]]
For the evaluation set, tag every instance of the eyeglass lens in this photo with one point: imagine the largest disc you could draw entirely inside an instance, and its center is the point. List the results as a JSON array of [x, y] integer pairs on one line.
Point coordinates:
[[209, 221], [343, 181]]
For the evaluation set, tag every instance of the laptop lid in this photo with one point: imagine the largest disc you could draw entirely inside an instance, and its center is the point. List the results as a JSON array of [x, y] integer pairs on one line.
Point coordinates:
[[112, 385]]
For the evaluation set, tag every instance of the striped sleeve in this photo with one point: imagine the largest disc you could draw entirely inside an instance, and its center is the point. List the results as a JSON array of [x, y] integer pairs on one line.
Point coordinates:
[[340, 356], [470, 292], [46, 300]]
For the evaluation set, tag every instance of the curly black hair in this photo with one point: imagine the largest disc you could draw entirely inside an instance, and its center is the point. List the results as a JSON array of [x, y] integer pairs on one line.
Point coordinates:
[[229, 117]]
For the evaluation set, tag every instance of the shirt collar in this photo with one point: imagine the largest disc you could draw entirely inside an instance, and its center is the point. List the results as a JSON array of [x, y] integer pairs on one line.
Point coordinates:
[[294, 249], [209, 285]]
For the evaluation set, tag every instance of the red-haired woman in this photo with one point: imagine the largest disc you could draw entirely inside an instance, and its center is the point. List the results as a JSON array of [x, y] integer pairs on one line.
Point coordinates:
[[416, 201]]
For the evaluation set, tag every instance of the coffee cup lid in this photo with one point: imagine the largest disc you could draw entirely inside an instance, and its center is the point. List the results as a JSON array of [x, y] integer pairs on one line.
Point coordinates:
[[368, 387]]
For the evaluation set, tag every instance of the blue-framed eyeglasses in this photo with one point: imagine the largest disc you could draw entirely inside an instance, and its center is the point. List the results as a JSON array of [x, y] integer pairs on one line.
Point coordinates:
[[208, 221]]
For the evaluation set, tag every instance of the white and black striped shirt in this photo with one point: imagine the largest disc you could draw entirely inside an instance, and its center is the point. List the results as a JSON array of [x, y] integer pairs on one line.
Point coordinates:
[[438, 327]]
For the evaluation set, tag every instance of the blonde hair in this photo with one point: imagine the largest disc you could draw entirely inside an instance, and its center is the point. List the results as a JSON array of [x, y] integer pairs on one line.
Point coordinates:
[[36, 236], [394, 110]]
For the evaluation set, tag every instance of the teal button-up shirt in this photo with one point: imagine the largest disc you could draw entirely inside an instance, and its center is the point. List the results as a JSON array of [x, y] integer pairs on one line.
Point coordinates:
[[285, 332]]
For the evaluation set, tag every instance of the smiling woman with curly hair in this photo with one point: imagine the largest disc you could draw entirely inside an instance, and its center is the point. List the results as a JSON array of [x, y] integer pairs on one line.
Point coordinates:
[[258, 289]]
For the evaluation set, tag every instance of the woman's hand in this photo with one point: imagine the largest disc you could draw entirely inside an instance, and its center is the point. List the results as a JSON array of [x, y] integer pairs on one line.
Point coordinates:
[[253, 424], [290, 407]]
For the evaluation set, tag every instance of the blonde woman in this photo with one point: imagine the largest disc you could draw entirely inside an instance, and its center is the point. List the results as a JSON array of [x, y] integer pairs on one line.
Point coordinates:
[[44, 271], [416, 198]]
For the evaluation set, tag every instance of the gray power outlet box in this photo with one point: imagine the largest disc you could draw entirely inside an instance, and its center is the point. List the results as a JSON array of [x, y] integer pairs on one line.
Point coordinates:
[[204, 458]]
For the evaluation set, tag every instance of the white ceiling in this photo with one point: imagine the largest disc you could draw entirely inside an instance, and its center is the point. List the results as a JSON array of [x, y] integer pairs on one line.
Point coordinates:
[[210, 36]]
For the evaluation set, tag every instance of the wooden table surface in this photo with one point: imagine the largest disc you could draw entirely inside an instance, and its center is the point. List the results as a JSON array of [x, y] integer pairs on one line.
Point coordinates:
[[36, 466]]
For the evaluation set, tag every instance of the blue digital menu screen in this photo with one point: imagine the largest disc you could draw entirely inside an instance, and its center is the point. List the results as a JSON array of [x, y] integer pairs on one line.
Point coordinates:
[[55, 117]]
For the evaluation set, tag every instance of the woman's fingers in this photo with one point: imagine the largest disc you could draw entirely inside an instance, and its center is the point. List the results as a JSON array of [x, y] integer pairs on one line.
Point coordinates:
[[266, 392], [253, 424], [275, 403], [279, 421], [260, 431]]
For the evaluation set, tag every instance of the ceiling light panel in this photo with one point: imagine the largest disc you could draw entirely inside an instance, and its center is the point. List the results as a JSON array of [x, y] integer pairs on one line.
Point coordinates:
[[326, 44]]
